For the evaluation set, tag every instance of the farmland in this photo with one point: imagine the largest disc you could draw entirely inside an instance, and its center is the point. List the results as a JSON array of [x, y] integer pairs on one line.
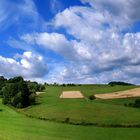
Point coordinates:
[[46, 117], [84, 111]]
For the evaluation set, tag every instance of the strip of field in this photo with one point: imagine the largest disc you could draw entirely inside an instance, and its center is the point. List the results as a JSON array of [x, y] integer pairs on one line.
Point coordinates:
[[71, 94], [122, 94]]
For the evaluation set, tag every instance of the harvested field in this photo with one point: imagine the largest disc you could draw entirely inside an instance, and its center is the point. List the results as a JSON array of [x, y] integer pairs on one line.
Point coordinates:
[[122, 94], [71, 94]]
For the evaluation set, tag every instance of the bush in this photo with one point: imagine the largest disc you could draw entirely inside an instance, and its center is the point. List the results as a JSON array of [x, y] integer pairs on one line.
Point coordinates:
[[92, 97], [137, 103]]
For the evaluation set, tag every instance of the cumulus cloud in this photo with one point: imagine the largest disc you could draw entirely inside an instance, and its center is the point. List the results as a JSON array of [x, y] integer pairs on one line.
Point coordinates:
[[30, 65], [53, 41], [100, 39], [93, 44]]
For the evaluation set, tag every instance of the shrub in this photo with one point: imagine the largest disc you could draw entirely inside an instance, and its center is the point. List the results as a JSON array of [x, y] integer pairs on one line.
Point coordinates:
[[92, 97], [137, 103]]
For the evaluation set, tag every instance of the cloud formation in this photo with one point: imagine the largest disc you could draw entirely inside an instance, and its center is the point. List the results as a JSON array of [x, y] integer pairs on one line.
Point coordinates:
[[28, 65], [96, 42]]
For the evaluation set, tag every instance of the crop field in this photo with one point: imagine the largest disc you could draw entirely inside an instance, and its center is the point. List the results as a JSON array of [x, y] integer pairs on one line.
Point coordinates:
[[83, 111], [121, 94], [97, 119]]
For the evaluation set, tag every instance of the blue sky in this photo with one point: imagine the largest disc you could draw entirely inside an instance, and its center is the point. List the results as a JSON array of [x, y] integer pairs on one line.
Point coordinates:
[[70, 41]]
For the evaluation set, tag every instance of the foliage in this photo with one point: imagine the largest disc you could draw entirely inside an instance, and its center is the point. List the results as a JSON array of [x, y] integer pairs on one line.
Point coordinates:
[[113, 83], [17, 92], [34, 87], [2, 84], [92, 97], [136, 103], [32, 98]]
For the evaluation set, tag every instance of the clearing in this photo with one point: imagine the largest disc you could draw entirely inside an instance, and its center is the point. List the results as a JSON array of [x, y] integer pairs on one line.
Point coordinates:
[[122, 94], [71, 94]]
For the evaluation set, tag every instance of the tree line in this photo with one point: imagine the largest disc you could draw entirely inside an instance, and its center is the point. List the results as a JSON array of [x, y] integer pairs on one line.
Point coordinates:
[[18, 92], [113, 83]]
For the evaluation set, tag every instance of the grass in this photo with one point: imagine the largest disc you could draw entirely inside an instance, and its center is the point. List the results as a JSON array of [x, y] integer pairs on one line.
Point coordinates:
[[83, 111], [15, 126]]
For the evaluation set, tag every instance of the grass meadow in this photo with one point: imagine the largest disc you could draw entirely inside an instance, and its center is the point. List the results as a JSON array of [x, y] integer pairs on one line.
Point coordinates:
[[16, 125], [84, 111]]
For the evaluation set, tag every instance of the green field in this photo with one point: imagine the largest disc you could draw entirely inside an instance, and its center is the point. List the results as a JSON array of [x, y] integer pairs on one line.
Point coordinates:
[[84, 111], [16, 126]]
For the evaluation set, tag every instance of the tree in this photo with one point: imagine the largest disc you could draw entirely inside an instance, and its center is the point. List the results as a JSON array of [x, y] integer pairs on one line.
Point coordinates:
[[2, 84], [19, 93], [16, 101], [16, 93], [113, 83], [32, 98]]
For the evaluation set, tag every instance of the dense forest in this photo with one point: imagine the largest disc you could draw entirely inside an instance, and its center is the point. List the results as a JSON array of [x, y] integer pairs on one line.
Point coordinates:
[[18, 92]]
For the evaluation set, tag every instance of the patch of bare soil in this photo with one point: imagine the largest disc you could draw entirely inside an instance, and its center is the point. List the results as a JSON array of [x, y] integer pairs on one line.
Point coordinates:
[[71, 94]]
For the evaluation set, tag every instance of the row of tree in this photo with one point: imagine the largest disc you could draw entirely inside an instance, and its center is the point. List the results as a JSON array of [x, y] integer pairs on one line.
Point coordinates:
[[18, 92], [113, 83], [64, 84]]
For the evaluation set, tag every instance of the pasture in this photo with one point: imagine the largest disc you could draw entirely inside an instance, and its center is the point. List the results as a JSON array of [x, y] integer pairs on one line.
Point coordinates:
[[15, 126], [83, 111], [46, 117]]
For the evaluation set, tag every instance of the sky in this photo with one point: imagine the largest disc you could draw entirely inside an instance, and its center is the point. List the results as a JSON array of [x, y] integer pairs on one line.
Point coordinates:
[[70, 41]]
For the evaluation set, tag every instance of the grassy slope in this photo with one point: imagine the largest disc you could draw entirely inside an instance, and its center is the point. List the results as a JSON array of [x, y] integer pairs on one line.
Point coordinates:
[[81, 110], [15, 126]]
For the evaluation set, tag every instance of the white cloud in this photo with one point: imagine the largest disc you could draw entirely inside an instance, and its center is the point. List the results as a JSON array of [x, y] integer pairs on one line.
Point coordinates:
[[29, 66], [101, 47], [17, 13], [126, 10], [99, 50]]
